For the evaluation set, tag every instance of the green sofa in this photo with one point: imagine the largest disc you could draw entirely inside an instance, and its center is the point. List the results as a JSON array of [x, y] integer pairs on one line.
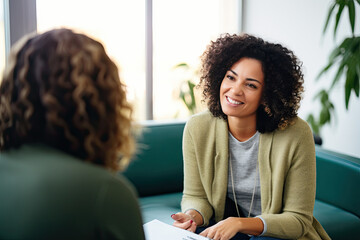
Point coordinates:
[[157, 174]]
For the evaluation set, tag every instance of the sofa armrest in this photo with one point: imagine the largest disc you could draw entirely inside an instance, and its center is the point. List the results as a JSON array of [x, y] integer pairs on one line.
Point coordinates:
[[338, 178]]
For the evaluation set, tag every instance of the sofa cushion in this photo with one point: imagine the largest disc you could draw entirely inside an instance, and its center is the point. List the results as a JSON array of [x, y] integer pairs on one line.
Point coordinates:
[[160, 207], [338, 223]]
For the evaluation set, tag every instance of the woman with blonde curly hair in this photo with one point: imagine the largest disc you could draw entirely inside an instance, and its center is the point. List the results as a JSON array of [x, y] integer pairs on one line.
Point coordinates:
[[65, 128], [249, 162]]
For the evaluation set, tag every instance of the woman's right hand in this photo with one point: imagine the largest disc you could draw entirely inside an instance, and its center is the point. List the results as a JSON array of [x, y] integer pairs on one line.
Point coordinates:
[[184, 221]]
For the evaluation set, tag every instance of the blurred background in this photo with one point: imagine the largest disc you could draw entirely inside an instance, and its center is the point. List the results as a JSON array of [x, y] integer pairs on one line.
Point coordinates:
[[157, 45]]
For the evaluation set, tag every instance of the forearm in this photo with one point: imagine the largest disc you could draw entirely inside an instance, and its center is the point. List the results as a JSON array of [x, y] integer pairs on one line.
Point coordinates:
[[251, 226], [195, 216]]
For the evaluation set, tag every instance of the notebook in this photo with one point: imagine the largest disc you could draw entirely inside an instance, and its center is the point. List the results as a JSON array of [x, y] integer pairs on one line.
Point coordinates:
[[157, 230]]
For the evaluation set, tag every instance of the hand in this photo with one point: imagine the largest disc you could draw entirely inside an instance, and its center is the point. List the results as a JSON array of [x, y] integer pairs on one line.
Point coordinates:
[[184, 221], [223, 230]]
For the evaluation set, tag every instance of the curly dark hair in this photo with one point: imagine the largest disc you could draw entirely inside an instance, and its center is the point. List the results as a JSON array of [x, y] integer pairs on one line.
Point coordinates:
[[61, 88], [282, 70]]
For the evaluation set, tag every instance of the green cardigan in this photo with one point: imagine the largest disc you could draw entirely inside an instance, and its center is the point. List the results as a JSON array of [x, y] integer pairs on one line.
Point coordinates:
[[47, 194], [287, 176]]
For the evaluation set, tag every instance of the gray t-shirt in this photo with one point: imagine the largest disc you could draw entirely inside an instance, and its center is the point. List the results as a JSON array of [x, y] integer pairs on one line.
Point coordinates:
[[244, 157]]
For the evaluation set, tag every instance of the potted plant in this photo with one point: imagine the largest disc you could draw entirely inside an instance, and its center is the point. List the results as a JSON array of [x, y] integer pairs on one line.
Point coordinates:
[[187, 89], [345, 59]]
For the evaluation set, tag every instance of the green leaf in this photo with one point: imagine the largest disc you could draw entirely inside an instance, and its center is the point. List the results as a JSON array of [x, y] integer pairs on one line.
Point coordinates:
[[346, 44], [338, 75], [188, 97], [348, 48], [353, 66], [182, 96], [338, 15], [336, 52], [324, 97], [345, 52], [310, 118], [190, 84], [357, 80], [328, 17], [324, 116], [319, 94], [191, 91], [313, 123], [352, 15], [184, 65], [348, 86], [325, 69]]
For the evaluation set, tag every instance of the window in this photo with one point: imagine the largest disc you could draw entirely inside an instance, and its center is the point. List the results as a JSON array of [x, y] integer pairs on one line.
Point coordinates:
[[181, 31], [2, 39], [119, 25]]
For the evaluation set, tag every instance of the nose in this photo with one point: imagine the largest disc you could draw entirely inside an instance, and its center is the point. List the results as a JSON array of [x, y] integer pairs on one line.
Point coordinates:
[[238, 89]]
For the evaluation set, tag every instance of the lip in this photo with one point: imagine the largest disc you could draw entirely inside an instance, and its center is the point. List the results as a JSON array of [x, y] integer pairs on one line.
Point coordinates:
[[233, 102]]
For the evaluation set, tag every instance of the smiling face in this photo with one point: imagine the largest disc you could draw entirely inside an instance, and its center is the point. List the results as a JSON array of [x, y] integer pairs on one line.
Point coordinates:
[[242, 88]]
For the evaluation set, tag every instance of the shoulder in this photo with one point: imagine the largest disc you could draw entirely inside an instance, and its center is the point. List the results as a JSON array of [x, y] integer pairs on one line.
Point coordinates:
[[205, 132], [204, 121], [58, 168], [122, 184], [300, 124], [116, 192], [297, 127], [117, 201], [297, 135], [202, 117]]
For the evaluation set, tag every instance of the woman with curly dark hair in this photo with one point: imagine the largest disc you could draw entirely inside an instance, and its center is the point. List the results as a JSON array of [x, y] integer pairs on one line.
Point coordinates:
[[64, 123], [249, 162]]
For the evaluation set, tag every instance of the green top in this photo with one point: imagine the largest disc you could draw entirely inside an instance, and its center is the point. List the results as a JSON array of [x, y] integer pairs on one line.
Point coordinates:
[[287, 176], [47, 194]]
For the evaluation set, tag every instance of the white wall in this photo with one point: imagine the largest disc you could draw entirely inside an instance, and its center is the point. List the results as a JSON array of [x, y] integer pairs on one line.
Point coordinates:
[[299, 25]]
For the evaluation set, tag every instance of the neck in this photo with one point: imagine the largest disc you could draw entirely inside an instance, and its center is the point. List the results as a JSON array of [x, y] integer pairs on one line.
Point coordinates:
[[242, 129]]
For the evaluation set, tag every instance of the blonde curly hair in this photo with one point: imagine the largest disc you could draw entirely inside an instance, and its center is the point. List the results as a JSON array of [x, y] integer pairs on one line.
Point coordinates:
[[61, 88]]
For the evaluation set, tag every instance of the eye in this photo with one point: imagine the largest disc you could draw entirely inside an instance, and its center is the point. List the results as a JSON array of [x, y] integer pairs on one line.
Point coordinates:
[[252, 85], [230, 77]]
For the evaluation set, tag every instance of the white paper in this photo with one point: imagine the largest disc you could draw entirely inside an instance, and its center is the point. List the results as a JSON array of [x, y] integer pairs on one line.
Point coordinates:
[[157, 230]]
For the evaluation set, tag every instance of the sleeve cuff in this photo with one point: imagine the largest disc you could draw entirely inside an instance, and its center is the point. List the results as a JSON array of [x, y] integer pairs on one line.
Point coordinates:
[[265, 226]]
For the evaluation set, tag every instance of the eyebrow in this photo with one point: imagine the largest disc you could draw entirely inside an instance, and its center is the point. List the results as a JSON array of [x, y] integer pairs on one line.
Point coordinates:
[[249, 79]]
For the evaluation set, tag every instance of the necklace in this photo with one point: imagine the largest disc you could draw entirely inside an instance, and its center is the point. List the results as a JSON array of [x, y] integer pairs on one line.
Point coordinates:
[[233, 189]]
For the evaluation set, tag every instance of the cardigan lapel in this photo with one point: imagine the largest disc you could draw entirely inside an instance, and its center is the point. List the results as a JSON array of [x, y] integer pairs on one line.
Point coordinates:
[[221, 166], [265, 147], [222, 147]]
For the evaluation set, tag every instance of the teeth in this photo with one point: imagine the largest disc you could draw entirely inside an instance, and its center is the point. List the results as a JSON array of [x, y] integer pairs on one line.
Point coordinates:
[[233, 101]]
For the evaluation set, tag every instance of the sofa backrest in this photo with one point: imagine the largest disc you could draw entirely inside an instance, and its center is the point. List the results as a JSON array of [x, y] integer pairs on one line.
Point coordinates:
[[338, 180], [157, 167]]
